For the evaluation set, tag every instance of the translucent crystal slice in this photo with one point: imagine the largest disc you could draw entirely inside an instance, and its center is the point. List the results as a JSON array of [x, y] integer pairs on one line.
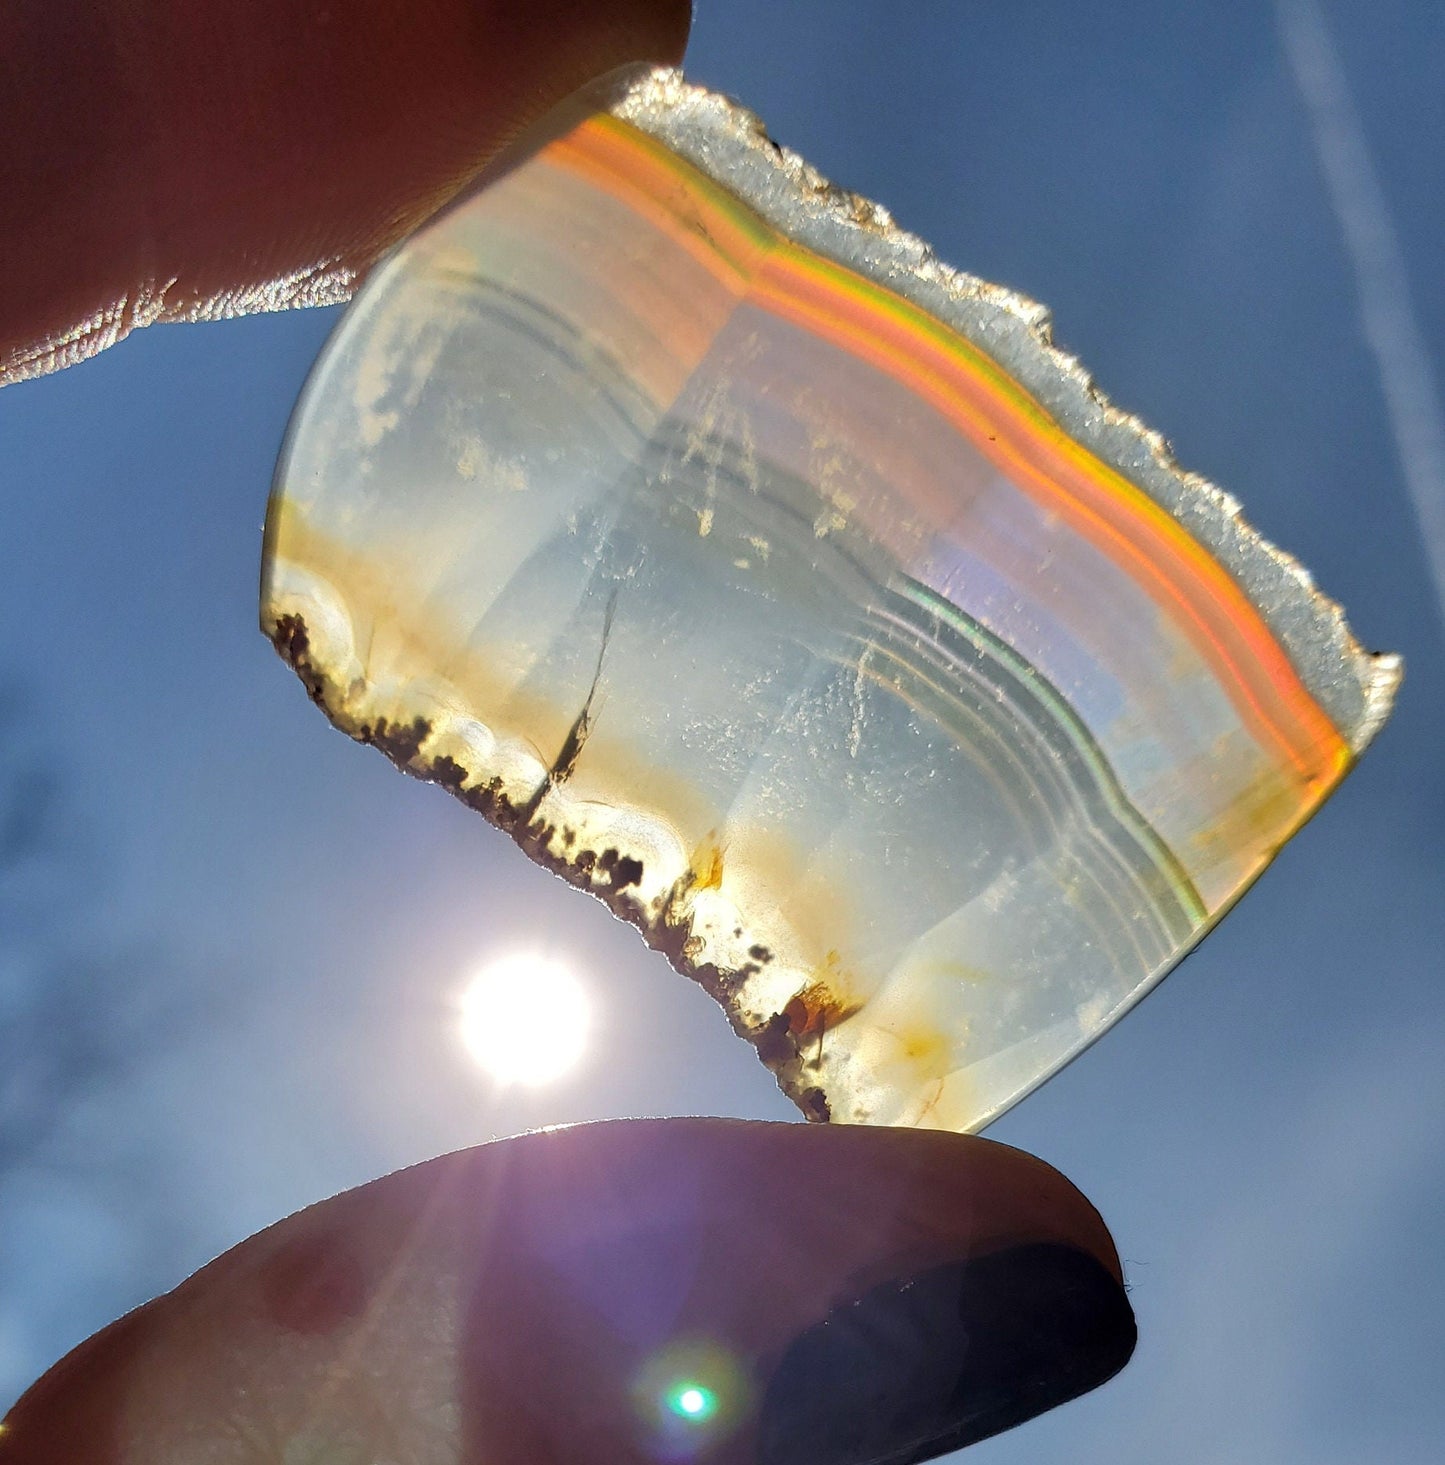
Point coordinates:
[[790, 592]]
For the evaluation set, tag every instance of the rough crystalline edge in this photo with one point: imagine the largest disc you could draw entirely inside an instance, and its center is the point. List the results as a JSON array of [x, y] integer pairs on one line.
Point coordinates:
[[730, 145]]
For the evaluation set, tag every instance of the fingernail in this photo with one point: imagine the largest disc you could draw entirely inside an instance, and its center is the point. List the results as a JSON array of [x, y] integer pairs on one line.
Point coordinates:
[[948, 1357]]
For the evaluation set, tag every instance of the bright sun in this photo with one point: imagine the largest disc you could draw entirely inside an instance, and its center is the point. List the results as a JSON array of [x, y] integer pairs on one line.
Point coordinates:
[[525, 1019]]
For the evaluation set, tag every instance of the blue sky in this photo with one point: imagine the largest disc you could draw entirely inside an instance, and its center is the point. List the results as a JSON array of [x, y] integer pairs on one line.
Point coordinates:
[[1263, 1134]]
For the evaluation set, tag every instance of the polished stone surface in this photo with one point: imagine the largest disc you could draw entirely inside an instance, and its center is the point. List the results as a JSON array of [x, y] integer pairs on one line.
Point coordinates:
[[790, 592]]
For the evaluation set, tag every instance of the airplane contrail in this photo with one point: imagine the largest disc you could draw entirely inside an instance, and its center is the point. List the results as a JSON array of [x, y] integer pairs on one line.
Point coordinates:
[[1392, 329]]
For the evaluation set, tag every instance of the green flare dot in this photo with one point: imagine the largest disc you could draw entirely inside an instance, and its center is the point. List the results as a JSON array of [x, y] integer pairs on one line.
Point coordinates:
[[692, 1401]]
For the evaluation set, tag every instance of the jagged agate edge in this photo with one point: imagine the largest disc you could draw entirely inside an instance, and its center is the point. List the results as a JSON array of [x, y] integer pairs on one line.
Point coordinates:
[[731, 145], [612, 875]]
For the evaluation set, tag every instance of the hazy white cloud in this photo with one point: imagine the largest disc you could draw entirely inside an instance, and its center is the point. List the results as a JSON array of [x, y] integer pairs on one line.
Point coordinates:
[[1312, 1208]]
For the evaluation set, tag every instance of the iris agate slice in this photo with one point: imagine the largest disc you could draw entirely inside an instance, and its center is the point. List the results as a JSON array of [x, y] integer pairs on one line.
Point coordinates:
[[792, 593]]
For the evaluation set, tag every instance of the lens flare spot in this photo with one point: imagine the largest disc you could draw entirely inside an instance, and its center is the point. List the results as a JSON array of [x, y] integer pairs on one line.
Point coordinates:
[[692, 1402], [690, 1395]]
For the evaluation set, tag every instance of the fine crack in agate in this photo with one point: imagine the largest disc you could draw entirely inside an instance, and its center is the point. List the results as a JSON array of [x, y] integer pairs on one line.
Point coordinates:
[[790, 592]]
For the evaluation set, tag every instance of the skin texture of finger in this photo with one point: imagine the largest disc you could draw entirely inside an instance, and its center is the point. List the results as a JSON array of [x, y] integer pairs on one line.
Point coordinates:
[[162, 159], [572, 1295]]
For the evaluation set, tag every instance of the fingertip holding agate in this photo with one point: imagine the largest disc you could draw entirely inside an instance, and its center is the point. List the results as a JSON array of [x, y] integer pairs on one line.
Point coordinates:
[[788, 590]]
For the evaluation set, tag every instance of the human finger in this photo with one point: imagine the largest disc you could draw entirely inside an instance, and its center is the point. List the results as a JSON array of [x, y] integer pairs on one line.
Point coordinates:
[[163, 160], [629, 1292]]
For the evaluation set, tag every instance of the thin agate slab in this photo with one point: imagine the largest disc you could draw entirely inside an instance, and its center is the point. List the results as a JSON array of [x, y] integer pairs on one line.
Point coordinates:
[[789, 591]]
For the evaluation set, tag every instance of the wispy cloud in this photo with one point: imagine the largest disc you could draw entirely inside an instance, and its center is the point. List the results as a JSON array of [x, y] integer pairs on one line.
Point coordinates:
[[1270, 1274]]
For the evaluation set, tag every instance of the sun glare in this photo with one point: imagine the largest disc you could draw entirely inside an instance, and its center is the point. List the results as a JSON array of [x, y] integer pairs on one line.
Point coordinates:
[[525, 1019]]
